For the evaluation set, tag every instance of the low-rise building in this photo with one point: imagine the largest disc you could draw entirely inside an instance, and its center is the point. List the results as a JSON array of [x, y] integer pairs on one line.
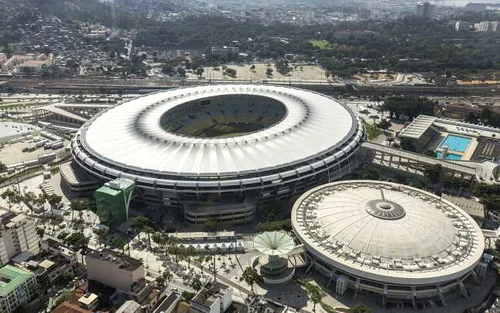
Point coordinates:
[[130, 306], [169, 304], [67, 307], [56, 248], [89, 301], [213, 298], [224, 50], [49, 270], [16, 288], [118, 271], [17, 235]]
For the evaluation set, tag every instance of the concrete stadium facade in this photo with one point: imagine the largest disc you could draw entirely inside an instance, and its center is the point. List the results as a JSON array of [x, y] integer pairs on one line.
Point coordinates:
[[394, 241], [218, 150]]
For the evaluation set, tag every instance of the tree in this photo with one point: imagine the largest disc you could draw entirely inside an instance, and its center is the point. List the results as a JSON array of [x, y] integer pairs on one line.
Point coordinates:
[[269, 71], [40, 232], [79, 205], [196, 284], [190, 252], [138, 223], [384, 124], [181, 71], [200, 71], [251, 277], [3, 167], [433, 173], [315, 293], [210, 224], [11, 196], [360, 309], [149, 230], [53, 200], [403, 107]]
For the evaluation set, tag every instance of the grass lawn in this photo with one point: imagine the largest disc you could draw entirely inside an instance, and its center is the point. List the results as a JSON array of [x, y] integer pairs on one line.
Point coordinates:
[[372, 131], [322, 44]]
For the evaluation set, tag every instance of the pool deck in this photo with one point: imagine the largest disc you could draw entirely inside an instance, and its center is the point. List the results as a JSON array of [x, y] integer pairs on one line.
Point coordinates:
[[466, 155]]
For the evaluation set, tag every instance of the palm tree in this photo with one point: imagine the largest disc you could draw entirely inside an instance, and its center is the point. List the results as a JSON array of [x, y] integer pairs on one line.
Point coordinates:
[[53, 200], [138, 223], [251, 276], [149, 230], [79, 205], [190, 252], [315, 293]]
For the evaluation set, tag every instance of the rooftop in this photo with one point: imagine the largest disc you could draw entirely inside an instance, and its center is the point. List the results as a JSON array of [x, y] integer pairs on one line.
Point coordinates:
[[125, 263], [67, 307], [88, 299], [130, 306], [167, 302], [207, 295], [418, 126], [12, 277], [129, 135], [386, 231], [274, 243]]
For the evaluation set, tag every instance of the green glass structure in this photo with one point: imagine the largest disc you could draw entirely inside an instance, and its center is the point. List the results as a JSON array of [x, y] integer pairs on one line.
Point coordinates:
[[113, 200]]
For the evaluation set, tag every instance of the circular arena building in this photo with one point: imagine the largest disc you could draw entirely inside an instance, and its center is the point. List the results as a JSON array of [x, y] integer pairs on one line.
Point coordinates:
[[218, 150], [388, 239]]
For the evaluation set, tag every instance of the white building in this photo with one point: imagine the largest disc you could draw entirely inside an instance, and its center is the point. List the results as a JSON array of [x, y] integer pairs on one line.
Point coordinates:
[[213, 298], [462, 26], [396, 241], [118, 271], [17, 235], [486, 26]]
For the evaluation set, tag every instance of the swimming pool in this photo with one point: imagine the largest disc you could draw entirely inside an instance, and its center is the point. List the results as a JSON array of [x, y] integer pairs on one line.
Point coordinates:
[[449, 156], [456, 143]]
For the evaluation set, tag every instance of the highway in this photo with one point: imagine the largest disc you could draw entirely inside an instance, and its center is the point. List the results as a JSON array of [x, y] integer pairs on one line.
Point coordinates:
[[124, 86]]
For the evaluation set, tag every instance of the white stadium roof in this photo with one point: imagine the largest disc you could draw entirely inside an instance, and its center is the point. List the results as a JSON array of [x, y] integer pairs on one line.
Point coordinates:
[[129, 135], [400, 236]]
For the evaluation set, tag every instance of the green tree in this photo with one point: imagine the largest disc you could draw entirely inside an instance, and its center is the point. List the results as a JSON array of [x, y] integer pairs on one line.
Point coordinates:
[[251, 277], [138, 223], [54, 201], [196, 284], [384, 124], [11, 196], [77, 241], [3, 167], [433, 173], [79, 205], [315, 293], [40, 232], [210, 224], [360, 309]]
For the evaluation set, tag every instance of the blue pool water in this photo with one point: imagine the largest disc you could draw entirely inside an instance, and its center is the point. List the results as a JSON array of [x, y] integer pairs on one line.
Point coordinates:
[[456, 143], [449, 156]]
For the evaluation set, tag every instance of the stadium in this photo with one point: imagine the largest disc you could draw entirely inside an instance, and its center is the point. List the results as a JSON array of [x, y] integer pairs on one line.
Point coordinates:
[[396, 242], [217, 151]]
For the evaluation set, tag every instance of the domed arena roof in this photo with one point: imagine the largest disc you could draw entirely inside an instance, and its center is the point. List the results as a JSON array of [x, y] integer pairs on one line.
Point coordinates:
[[387, 232]]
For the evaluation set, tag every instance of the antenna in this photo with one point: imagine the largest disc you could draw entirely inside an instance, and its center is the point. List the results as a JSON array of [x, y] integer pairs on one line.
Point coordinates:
[[382, 194]]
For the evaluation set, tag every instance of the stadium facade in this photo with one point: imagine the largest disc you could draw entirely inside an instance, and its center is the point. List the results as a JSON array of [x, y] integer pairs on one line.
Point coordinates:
[[217, 151], [391, 240]]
